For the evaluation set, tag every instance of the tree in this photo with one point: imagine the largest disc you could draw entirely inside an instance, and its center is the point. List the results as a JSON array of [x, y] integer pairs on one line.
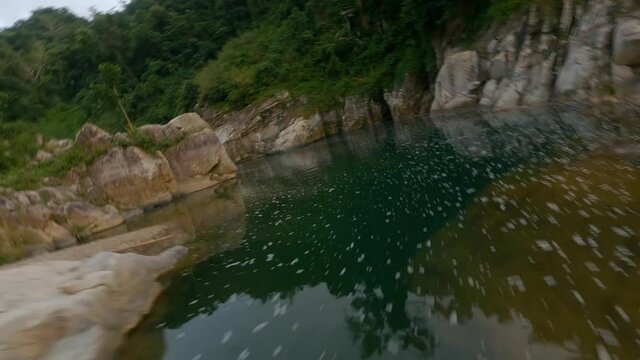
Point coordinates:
[[111, 75]]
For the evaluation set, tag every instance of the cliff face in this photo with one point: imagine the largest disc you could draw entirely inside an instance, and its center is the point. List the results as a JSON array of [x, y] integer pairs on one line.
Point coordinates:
[[587, 51]]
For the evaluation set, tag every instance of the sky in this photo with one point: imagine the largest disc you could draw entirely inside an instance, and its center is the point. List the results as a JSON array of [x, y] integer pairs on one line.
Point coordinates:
[[14, 10]]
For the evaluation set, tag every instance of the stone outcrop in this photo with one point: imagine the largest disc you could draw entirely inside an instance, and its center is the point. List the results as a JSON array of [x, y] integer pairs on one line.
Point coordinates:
[[121, 181], [281, 122], [77, 309], [535, 57]]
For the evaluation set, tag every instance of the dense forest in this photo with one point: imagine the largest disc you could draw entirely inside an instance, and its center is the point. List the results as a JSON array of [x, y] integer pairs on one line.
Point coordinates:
[[159, 58]]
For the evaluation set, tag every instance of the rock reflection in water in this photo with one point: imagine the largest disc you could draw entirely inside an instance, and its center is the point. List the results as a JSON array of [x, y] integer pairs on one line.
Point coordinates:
[[471, 238]]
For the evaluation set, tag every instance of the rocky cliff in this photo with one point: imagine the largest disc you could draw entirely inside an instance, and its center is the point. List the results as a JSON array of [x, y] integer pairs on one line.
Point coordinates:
[[589, 51], [125, 174], [582, 50]]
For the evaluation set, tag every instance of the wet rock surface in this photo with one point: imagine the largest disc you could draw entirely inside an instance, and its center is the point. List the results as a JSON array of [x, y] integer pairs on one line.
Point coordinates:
[[77, 309]]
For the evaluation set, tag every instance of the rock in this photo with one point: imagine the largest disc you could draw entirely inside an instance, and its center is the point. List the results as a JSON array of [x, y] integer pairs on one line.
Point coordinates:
[[196, 159], [42, 156], [457, 82], [129, 178], [56, 146], [7, 204], [626, 83], [87, 219], [62, 238], [196, 155], [488, 93], [587, 63], [626, 42], [302, 131], [53, 196], [78, 309], [410, 99], [358, 112], [92, 137], [186, 124]]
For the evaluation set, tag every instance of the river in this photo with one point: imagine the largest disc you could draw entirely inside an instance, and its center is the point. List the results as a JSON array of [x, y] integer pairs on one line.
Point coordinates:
[[468, 237]]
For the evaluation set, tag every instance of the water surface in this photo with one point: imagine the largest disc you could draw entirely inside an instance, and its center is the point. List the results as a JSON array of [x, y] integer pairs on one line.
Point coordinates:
[[477, 237]]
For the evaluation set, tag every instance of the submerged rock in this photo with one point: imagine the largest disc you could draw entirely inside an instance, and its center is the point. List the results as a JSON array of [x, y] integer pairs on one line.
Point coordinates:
[[78, 309]]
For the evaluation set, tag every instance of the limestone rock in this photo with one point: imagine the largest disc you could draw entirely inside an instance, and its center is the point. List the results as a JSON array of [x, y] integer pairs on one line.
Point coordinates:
[[457, 82], [129, 178], [92, 137], [77, 309], [626, 42]]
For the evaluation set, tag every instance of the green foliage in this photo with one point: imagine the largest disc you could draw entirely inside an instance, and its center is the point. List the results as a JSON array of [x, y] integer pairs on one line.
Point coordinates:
[[159, 58]]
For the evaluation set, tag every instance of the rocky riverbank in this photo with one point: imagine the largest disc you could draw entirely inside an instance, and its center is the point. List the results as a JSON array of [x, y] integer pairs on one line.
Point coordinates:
[[587, 51], [78, 309], [124, 175]]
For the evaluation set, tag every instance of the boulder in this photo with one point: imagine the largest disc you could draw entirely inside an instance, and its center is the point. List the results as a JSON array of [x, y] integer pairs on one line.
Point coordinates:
[[78, 309], [626, 42], [199, 161], [129, 178], [92, 137], [196, 155], [186, 124], [457, 82], [62, 238]]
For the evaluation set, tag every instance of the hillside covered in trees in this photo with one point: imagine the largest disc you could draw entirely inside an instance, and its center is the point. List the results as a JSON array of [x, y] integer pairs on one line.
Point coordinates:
[[169, 55]]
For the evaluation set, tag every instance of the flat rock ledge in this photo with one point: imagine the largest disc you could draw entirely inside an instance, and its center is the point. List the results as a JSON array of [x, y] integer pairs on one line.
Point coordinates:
[[78, 309]]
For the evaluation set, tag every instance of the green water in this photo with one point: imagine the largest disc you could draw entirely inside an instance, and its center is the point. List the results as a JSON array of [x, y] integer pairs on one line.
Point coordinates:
[[510, 237]]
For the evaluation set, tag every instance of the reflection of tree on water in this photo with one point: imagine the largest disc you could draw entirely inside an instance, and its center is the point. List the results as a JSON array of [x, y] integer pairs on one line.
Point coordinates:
[[364, 234], [555, 249]]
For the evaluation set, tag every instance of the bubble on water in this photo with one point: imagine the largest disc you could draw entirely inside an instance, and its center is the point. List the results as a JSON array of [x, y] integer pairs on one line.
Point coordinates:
[[544, 245], [226, 337], [277, 351], [603, 354], [295, 327], [260, 327], [197, 357], [244, 355], [622, 314]]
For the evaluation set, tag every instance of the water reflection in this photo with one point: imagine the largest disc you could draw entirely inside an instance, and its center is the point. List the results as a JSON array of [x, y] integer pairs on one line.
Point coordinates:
[[465, 238]]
